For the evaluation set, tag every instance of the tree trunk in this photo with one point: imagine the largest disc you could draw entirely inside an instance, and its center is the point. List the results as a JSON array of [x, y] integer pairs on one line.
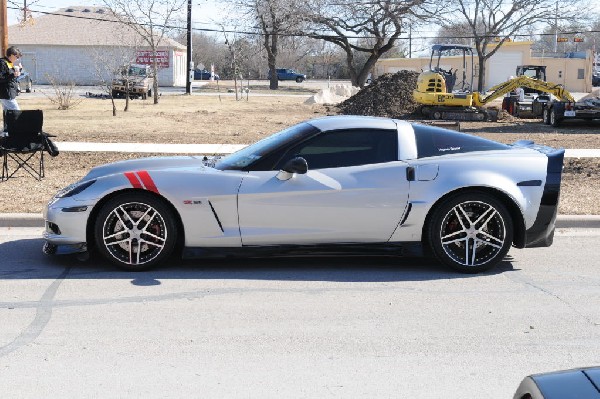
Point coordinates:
[[271, 47], [126, 96], [155, 83], [481, 77]]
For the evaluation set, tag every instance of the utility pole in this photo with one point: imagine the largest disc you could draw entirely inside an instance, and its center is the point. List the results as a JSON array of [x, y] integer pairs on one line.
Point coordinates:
[[410, 41], [3, 28], [556, 28], [190, 64]]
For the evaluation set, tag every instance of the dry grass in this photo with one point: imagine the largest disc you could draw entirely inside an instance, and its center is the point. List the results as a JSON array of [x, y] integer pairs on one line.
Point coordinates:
[[210, 119], [176, 119]]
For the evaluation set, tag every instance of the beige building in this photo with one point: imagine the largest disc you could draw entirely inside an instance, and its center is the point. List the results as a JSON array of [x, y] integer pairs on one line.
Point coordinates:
[[85, 46], [575, 74]]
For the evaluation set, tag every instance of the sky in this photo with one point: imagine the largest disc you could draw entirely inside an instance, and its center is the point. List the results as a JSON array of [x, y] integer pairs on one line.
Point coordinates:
[[204, 12]]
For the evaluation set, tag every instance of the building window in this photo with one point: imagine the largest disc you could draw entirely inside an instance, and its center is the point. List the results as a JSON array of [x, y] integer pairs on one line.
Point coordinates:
[[580, 73]]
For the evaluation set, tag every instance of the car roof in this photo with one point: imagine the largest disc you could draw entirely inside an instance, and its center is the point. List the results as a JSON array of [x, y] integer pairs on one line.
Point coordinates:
[[354, 122]]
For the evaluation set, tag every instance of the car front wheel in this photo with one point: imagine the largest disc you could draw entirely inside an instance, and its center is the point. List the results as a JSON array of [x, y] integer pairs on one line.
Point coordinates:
[[470, 232], [135, 231]]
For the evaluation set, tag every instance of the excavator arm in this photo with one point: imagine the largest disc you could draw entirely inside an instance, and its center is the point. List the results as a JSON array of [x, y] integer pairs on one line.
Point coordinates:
[[522, 81]]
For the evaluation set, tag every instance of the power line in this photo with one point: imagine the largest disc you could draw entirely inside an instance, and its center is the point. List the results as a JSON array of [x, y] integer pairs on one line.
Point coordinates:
[[257, 33]]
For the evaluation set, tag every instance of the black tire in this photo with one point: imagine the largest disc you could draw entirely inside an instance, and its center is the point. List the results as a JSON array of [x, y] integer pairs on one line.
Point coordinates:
[[122, 231], [149, 92], [436, 115], [144, 96], [516, 110], [546, 116], [554, 118], [299, 80], [28, 86], [473, 218]]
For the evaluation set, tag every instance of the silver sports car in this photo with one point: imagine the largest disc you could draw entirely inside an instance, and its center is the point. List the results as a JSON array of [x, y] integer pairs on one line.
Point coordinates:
[[333, 185]]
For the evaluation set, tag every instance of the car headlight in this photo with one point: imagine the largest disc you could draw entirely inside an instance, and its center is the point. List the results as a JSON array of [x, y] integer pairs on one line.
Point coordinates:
[[74, 189]]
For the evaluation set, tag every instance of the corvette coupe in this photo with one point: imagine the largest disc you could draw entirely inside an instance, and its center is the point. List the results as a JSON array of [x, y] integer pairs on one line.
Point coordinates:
[[332, 185]]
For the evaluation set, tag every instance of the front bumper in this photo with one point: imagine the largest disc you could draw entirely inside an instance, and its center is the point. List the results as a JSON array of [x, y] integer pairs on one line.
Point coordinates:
[[66, 226], [132, 90]]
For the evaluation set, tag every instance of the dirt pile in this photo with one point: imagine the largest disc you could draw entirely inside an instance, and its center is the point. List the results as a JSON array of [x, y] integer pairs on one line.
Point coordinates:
[[389, 95]]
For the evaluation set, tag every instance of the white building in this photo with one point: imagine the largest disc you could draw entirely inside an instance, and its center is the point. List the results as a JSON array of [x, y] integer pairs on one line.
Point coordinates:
[[85, 46]]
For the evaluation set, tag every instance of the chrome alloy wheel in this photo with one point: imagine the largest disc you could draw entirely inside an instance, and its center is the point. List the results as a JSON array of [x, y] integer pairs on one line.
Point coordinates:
[[473, 233], [134, 233]]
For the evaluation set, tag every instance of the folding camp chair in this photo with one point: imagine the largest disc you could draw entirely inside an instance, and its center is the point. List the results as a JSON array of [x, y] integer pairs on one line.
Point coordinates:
[[23, 147]]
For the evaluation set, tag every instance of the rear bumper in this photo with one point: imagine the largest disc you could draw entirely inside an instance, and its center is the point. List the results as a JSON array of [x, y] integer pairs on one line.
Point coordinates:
[[541, 234]]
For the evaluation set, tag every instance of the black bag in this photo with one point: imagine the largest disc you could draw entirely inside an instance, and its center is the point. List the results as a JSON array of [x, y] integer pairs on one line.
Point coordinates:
[[49, 145]]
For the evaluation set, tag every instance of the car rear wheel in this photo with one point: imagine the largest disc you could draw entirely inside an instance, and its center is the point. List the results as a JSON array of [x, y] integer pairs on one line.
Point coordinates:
[[299, 80], [135, 231], [554, 118], [546, 116], [470, 232]]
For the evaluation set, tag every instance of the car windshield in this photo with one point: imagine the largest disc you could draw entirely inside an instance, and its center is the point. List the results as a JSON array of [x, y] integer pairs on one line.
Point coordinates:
[[246, 156], [137, 71]]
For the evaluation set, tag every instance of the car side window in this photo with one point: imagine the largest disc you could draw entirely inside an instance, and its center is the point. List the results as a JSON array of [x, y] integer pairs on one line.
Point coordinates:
[[434, 141], [343, 148]]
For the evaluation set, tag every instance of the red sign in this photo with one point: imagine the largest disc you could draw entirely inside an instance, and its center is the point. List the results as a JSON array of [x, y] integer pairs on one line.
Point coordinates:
[[578, 39], [146, 57]]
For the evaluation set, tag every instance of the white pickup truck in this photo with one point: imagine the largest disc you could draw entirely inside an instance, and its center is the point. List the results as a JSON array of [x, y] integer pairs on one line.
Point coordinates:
[[135, 80]]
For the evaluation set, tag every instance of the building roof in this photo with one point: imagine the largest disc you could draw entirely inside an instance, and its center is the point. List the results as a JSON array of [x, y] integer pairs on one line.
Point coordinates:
[[78, 26]]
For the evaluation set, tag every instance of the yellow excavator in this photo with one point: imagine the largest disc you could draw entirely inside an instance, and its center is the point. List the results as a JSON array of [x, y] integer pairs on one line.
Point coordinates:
[[440, 96]]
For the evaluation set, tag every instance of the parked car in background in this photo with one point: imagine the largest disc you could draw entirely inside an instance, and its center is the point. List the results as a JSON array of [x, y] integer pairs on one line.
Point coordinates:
[[288, 74], [203, 74], [596, 80], [135, 79]]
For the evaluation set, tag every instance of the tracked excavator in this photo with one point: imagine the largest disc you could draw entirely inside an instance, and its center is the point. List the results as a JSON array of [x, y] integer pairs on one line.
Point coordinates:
[[441, 94]]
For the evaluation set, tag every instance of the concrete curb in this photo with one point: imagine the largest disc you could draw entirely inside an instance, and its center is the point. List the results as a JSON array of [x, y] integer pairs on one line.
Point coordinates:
[[562, 222]]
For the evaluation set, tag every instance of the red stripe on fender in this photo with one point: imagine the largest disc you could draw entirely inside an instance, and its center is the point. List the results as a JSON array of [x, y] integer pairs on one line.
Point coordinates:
[[147, 181], [133, 179]]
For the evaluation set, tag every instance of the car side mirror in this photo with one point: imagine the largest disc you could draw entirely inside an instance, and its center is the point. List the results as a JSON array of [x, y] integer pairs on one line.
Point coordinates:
[[294, 165]]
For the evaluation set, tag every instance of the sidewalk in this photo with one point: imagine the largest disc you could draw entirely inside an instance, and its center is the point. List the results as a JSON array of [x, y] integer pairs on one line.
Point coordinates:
[[36, 220]]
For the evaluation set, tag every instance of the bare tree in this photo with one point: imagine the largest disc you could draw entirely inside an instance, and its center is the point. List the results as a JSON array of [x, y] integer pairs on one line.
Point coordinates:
[[454, 33], [493, 22], [151, 19], [208, 50], [579, 37], [110, 63], [273, 19], [233, 50], [371, 28]]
